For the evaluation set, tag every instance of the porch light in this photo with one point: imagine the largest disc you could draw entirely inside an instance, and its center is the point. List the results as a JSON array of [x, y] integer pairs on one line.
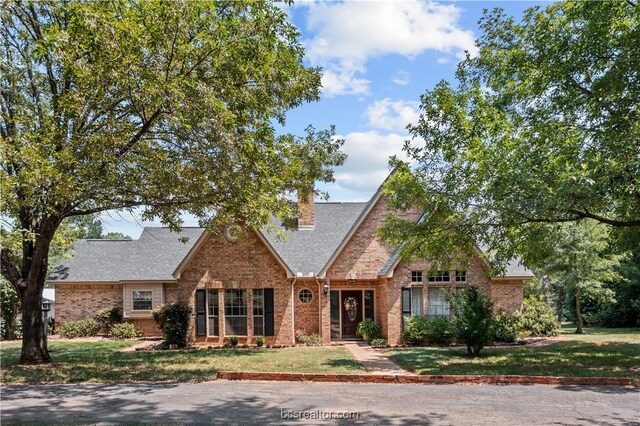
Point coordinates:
[[325, 287], [46, 306]]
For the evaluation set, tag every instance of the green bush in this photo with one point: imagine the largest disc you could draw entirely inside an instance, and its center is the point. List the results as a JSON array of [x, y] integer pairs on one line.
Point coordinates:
[[440, 331], [368, 328], [414, 331], [378, 343], [260, 341], [108, 317], [124, 330], [308, 339], [86, 327], [233, 340], [173, 319], [505, 328], [536, 319], [473, 319]]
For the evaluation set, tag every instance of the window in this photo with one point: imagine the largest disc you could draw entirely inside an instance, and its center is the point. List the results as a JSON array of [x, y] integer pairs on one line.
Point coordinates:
[[258, 312], [213, 313], [368, 305], [439, 277], [335, 314], [142, 300], [235, 312], [438, 305], [305, 295], [416, 276], [416, 301], [461, 276]]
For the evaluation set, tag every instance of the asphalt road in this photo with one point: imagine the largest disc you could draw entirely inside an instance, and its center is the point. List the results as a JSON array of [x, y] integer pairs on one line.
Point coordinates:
[[268, 402]]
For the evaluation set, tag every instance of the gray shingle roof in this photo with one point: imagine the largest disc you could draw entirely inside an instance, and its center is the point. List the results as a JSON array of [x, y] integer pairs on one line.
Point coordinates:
[[154, 256], [307, 251]]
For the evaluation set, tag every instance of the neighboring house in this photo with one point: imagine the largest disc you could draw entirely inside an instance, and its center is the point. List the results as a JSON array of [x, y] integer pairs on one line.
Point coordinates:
[[49, 296], [329, 274]]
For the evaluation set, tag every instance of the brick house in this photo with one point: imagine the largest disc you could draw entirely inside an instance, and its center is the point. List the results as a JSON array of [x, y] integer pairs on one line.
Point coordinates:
[[330, 273]]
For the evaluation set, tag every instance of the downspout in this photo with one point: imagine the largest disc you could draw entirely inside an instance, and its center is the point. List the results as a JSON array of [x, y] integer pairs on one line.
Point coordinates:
[[319, 307], [293, 314]]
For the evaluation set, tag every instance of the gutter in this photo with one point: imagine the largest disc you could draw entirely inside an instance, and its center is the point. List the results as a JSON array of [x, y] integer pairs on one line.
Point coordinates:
[[293, 312]]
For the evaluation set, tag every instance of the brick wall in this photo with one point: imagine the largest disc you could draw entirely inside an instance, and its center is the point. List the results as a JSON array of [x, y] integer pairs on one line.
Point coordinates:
[[245, 264], [148, 327], [364, 253], [507, 294], [77, 301], [306, 314]]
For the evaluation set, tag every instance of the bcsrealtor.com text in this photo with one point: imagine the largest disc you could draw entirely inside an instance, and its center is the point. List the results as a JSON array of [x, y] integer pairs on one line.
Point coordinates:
[[318, 415]]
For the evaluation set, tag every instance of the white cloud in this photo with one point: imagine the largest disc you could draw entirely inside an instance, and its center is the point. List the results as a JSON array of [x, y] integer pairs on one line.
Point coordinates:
[[367, 164], [401, 78], [392, 115], [443, 60], [348, 34]]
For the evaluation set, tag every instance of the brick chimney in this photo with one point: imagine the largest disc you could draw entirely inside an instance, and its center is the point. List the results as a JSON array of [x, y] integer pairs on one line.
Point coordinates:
[[306, 215]]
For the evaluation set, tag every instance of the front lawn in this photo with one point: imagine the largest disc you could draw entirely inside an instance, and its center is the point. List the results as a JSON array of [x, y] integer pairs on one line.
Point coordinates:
[[598, 353], [101, 362]]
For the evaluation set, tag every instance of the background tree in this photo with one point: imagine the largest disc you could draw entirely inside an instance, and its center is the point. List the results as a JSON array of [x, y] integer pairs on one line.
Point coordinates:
[[542, 127], [578, 259], [165, 105]]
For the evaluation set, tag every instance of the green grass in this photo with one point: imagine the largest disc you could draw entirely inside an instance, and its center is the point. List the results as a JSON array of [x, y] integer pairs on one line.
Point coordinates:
[[101, 362], [600, 334], [598, 353]]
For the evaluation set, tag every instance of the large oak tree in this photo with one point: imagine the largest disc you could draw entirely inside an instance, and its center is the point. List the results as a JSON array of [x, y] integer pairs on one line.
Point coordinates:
[[168, 105], [543, 126]]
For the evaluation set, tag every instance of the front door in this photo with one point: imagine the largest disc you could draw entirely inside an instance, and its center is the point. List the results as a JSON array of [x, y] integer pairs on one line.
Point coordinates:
[[351, 304]]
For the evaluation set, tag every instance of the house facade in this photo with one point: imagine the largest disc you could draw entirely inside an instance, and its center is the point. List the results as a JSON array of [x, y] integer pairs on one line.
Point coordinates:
[[330, 273]]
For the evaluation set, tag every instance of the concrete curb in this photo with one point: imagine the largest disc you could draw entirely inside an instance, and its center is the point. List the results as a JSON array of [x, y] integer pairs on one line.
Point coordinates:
[[430, 379]]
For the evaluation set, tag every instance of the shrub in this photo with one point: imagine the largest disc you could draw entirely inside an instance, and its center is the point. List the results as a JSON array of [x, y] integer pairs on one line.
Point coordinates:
[[473, 319], [308, 339], [505, 328], [260, 341], [233, 340], [108, 317], [124, 330], [82, 328], [536, 319], [368, 328], [415, 329], [378, 343], [440, 331], [173, 319]]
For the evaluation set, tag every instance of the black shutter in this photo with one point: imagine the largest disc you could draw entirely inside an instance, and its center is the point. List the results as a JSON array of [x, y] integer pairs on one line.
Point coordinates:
[[268, 312], [201, 313], [406, 301]]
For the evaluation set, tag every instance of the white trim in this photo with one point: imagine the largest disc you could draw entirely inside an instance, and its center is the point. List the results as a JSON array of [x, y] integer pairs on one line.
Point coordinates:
[[194, 249], [365, 213]]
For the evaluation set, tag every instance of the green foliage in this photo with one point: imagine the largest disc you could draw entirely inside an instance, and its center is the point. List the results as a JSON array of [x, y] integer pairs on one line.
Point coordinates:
[[9, 309], [378, 343], [124, 330], [108, 317], [541, 126], [173, 319], [86, 327], [473, 319], [419, 331], [536, 319], [233, 340], [414, 330], [440, 331], [505, 328], [368, 328], [166, 106], [260, 341], [310, 339]]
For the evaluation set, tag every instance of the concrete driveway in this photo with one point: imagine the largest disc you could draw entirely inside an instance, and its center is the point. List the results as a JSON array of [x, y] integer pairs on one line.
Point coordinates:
[[277, 402]]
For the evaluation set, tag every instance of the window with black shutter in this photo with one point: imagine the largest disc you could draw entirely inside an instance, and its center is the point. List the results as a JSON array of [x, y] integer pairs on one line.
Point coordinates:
[[201, 313]]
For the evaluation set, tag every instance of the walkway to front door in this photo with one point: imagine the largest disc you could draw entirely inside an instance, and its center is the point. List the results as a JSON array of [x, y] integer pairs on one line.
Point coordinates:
[[373, 360]]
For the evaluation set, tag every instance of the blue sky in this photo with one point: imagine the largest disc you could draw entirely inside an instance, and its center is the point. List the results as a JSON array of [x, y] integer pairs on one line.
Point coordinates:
[[378, 57]]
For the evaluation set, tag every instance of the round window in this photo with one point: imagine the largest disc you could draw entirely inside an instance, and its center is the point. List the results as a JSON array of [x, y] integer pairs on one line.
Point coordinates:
[[305, 295]]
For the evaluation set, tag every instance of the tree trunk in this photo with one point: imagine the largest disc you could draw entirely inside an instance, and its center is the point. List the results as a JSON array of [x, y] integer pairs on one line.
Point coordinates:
[[578, 314], [35, 262]]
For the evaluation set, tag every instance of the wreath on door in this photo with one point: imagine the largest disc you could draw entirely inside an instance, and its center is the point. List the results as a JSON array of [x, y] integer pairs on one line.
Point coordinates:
[[351, 306]]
